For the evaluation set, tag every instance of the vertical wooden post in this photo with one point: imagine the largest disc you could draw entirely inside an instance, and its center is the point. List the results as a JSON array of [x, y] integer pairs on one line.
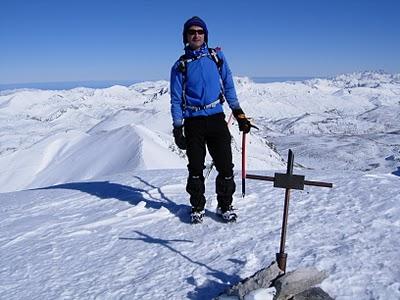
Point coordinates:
[[281, 257]]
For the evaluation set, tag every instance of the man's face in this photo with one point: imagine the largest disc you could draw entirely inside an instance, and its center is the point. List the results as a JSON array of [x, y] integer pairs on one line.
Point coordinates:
[[195, 37]]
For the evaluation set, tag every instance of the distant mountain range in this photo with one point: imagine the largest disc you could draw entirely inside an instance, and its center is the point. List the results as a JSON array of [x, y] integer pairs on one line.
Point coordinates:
[[55, 136]]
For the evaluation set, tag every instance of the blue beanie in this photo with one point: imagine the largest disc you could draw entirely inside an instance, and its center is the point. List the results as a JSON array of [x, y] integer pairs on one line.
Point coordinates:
[[194, 21]]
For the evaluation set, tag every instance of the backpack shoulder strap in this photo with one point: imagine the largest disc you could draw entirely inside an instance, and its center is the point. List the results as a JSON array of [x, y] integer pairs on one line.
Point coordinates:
[[218, 61], [182, 66], [182, 63]]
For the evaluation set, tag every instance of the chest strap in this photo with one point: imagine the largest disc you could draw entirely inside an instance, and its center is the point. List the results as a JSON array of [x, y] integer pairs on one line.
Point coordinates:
[[198, 108]]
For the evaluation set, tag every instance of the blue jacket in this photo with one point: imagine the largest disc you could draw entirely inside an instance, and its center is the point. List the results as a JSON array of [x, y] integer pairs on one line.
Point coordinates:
[[202, 86]]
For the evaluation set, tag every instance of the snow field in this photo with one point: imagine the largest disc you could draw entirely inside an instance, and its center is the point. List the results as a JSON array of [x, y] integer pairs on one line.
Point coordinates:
[[131, 238]]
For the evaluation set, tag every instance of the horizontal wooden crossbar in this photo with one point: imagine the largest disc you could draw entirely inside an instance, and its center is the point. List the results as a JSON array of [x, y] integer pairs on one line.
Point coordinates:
[[306, 182]]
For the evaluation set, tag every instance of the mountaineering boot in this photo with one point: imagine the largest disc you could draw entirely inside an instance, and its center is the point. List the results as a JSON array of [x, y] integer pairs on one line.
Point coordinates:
[[196, 216], [227, 215]]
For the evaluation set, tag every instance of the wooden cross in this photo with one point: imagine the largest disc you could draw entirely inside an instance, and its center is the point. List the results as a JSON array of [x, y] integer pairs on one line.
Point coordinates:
[[287, 181]]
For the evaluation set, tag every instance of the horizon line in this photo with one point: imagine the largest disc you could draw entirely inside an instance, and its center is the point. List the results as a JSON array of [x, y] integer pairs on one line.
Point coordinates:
[[61, 85], [110, 82]]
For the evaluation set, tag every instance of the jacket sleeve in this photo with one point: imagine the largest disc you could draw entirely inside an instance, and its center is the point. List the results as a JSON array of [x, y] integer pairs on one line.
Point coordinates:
[[229, 87], [176, 96]]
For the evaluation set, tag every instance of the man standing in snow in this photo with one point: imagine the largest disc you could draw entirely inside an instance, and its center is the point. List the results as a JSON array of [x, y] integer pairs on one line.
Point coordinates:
[[200, 82]]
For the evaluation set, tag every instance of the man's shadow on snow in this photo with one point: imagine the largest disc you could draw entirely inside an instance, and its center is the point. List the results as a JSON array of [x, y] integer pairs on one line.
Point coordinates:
[[397, 173], [110, 190], [209, 289]]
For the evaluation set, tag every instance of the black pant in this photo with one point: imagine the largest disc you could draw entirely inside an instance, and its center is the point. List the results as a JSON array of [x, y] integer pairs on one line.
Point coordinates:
[[213, 132]]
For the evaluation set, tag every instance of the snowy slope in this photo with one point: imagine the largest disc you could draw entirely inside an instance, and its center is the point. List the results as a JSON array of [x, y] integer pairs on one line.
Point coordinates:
[[128, 237], [106, 215], [70, 156]]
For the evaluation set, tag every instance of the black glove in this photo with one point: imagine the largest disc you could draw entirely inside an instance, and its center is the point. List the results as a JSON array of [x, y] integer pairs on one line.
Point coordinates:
[[180, 139], [244, 123]]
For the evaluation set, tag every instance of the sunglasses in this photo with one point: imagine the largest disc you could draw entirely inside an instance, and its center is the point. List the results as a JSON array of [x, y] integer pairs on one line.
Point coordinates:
[[194, 31]]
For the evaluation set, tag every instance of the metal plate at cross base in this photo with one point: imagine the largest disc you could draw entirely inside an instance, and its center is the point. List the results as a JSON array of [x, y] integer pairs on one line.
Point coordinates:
[[287, 181]]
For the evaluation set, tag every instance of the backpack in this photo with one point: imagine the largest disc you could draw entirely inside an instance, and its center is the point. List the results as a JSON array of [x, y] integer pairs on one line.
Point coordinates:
[[182, 66]]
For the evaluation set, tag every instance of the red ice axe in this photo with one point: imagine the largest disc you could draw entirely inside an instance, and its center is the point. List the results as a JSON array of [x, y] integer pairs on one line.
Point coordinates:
[[243, 164], [244, 161]]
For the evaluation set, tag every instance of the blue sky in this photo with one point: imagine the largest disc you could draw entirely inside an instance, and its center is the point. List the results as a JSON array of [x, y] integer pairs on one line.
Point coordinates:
[[70, 40]]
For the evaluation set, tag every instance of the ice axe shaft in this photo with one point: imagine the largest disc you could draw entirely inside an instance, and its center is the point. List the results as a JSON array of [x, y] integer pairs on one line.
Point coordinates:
[[244, 165], [244, 160]]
